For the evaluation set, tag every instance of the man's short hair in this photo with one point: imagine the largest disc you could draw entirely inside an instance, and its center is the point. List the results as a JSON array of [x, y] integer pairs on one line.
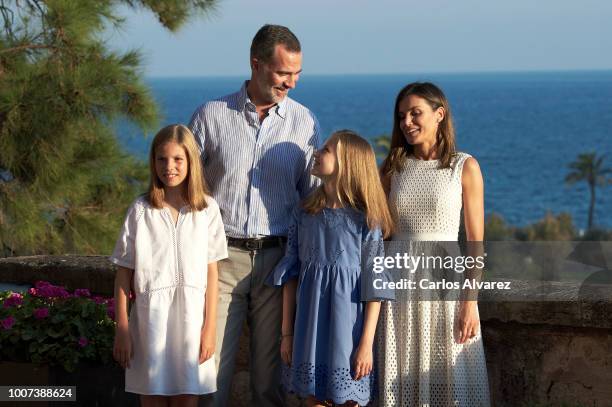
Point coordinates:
[[268, 37]]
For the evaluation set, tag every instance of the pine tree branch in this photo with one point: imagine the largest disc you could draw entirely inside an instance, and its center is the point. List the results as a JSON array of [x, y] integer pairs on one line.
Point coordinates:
[[27, 46], [8, 18]]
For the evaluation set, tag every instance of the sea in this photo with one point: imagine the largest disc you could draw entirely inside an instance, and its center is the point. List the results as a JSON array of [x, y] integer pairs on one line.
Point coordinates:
[[523, 128]]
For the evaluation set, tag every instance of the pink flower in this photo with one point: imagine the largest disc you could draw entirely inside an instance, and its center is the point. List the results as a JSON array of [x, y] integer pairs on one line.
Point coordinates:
[[40, 313], [47, 290], [98, 300], [13, 300], [41, 284], [44, 291], [82, 292], [8, 322], [83, 341], [33, 291]]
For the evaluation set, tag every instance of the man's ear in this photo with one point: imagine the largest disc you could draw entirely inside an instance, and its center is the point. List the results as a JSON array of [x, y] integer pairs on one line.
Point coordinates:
[[255, 64]]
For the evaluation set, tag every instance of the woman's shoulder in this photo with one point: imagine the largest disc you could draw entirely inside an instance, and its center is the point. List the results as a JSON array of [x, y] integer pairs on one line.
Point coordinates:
[[463, 161], [470, 172], [461, 155]]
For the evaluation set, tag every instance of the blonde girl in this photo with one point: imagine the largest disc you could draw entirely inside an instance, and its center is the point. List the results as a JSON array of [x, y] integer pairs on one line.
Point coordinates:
[[329, 311], [167, 253]]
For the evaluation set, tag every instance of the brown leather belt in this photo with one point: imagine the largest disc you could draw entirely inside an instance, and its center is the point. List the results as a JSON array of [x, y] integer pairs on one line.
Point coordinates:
[[259, 243]]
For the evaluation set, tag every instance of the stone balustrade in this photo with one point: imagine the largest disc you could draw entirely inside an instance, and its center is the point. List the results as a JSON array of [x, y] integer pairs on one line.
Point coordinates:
[[539, 353]]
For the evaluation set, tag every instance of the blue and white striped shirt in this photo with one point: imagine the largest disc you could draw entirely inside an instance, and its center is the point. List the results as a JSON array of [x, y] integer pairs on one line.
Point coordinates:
[[257, 172]]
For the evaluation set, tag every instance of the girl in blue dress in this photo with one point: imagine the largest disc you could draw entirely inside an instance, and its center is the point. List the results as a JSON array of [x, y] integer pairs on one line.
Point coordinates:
[[330, 309]]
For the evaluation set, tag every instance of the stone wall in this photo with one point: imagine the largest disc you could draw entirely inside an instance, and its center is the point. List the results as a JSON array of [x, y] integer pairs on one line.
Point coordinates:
[[538, 353]]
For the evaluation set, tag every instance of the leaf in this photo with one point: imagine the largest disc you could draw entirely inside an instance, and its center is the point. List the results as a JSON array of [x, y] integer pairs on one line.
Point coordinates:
[[55, 333], [27, 335]]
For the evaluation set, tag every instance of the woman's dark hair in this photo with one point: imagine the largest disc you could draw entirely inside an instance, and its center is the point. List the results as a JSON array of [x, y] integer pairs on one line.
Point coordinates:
[[445, 138]]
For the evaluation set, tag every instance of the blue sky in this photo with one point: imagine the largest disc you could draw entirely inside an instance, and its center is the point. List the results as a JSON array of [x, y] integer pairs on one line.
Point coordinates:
[[383, 36]]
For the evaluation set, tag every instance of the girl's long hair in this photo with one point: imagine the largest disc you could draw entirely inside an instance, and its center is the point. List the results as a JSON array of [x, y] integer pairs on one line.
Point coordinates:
[[357, 182], [195, 190], [445, 139]]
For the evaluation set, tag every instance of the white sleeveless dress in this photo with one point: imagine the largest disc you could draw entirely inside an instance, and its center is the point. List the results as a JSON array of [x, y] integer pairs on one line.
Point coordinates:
[[419, 362]]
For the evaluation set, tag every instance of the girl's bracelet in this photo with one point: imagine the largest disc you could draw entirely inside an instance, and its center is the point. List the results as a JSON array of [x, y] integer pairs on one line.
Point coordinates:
[[285, 336]]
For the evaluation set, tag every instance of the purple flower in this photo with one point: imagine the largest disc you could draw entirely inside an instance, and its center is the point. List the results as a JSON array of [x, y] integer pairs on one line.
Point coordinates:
[[8, 322], [98, 300], [83, 341], [13, 300], [47, 290], [41, 284], [82, 292], [40, 313]]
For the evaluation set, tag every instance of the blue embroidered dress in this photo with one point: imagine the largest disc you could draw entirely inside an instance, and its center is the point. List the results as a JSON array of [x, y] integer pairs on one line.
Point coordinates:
[[327, 253]]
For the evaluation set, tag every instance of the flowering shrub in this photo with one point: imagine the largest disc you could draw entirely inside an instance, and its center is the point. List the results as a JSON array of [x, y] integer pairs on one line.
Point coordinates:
[[50, 325]]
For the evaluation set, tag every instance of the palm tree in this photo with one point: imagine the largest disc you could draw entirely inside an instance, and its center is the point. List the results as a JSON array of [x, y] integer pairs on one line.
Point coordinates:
[[589, 167]]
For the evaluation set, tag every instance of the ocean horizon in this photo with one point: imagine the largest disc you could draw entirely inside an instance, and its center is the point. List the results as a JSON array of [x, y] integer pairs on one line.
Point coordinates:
[[524, 128]]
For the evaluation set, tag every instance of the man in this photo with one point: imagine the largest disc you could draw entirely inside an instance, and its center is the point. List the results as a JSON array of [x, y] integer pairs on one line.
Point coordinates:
[[256, 147]]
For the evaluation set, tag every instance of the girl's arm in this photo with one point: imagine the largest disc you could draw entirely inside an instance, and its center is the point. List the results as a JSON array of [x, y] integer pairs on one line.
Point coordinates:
[[473, 212], [364, 360], [122, 348], [289, 290], [208, 335]]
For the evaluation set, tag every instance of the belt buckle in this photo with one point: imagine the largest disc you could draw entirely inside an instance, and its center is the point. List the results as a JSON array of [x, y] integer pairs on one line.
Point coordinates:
[[252, 245]]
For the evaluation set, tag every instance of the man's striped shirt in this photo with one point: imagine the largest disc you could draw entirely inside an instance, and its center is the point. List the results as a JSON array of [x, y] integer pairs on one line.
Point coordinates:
[[257, 172]]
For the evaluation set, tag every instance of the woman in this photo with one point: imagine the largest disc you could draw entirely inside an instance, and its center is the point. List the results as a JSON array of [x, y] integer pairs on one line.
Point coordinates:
[[430, 351]]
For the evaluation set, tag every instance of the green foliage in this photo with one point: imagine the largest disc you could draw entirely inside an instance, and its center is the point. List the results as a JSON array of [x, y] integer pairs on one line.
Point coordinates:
[[52, 326], [497, 229], [382, 145], [64, 181], [551, 228]]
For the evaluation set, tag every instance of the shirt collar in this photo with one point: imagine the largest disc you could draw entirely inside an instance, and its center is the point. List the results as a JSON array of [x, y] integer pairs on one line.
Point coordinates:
[[244, 102], [281, 107], [243, 97]]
